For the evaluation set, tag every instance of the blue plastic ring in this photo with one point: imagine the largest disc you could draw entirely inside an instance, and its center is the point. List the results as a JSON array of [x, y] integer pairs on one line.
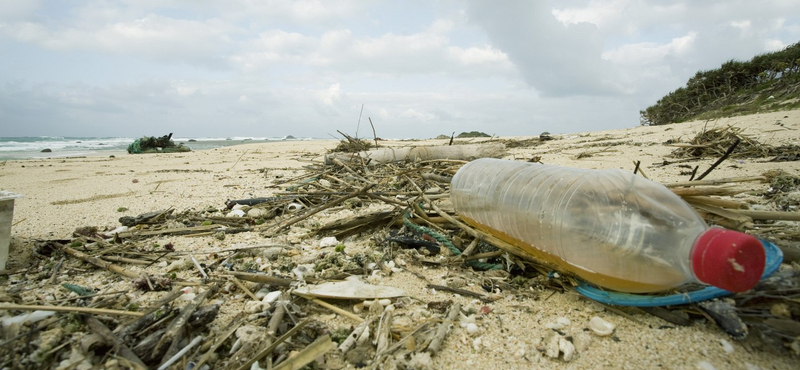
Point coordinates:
[[774, 258]]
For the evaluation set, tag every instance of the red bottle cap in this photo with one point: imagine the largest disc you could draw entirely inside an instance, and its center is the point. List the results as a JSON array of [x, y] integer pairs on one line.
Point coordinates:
[[728, 259]]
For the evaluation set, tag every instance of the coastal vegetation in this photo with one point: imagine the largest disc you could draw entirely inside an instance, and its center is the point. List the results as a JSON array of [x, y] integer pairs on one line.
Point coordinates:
[[767, 82]]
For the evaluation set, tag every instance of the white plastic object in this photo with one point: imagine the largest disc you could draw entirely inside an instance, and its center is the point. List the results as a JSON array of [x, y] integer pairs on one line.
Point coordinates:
[[612, 228], [6, 216]]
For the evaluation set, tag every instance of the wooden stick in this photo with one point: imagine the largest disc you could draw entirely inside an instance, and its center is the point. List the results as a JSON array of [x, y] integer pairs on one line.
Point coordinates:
[[100, 263], [318, 209], [331, 307], [374, 136], [444, 329], [126, 260], [275, 320], [244, 288], [350, 341], [351, 171], [314, 350], [723, 203], [739, 220], [271, 347], [197, 264], [176, 231], [485, 255], [463, 292], [123, 350], [261, 278], [180, 353], [770, 215], [720, 160], [706, 191], [476, 233], [471, 247], [384, 332], [716, 182], [177, 324], [235, 323], [96, 311], [400, 342]]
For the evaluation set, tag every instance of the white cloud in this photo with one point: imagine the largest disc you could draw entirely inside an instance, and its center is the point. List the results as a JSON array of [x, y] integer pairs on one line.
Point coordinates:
[[479, 55], [599, 13], [155, 36], [417, 116], [15, 10], [420, 69], [554, 58], [774, 45], [330, 95], [647, 53]]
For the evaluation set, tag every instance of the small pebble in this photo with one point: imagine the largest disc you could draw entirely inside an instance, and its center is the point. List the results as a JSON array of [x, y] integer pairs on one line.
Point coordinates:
[[726, 346], [477, 343], [472, 328], [328, 242], [261, 293], [385, 302]]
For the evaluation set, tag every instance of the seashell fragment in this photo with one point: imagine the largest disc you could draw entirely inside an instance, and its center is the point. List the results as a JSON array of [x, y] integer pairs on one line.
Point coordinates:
[[567, 348], [272, 296], [551, 348], [601, 327]]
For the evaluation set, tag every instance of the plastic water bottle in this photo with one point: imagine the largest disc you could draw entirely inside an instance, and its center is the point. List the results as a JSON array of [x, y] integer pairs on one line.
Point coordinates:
[[612, 228]]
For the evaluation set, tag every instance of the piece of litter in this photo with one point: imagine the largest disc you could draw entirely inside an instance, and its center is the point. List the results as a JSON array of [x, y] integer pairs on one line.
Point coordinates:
[[350, 289]]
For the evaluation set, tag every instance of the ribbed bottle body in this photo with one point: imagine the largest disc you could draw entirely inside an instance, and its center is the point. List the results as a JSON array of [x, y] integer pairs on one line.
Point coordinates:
[[610, 227]]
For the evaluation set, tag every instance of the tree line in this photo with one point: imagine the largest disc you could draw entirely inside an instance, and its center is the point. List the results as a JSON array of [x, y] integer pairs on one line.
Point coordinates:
[[732, 83]]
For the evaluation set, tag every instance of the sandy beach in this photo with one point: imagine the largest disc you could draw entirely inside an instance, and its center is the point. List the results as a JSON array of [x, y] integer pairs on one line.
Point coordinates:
[[62, 194]]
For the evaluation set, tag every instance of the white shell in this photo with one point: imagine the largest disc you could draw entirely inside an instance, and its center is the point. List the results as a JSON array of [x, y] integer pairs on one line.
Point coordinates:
[[351, 289], [567, 348], [601, 327], [272, 296]]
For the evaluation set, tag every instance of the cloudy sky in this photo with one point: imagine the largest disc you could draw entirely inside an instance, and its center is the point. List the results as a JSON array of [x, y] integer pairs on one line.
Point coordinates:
[[202, 68]]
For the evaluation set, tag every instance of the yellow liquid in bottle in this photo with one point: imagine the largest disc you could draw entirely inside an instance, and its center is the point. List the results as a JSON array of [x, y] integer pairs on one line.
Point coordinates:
[[667, 277]]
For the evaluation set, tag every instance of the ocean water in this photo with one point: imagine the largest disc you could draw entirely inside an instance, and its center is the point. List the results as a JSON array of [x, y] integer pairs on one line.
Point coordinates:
[[30, 147]]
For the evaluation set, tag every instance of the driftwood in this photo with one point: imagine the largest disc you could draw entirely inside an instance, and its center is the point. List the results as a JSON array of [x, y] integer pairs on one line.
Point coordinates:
[[100, 263], [422, 153], [444, 329], [99, 328], [96, 311]]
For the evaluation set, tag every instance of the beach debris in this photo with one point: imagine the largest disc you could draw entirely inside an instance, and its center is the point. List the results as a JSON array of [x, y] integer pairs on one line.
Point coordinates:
[[354, 220], [350, 289], [421, 153], [444, 329], [724, 314], [600, 326], [152, 144]]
